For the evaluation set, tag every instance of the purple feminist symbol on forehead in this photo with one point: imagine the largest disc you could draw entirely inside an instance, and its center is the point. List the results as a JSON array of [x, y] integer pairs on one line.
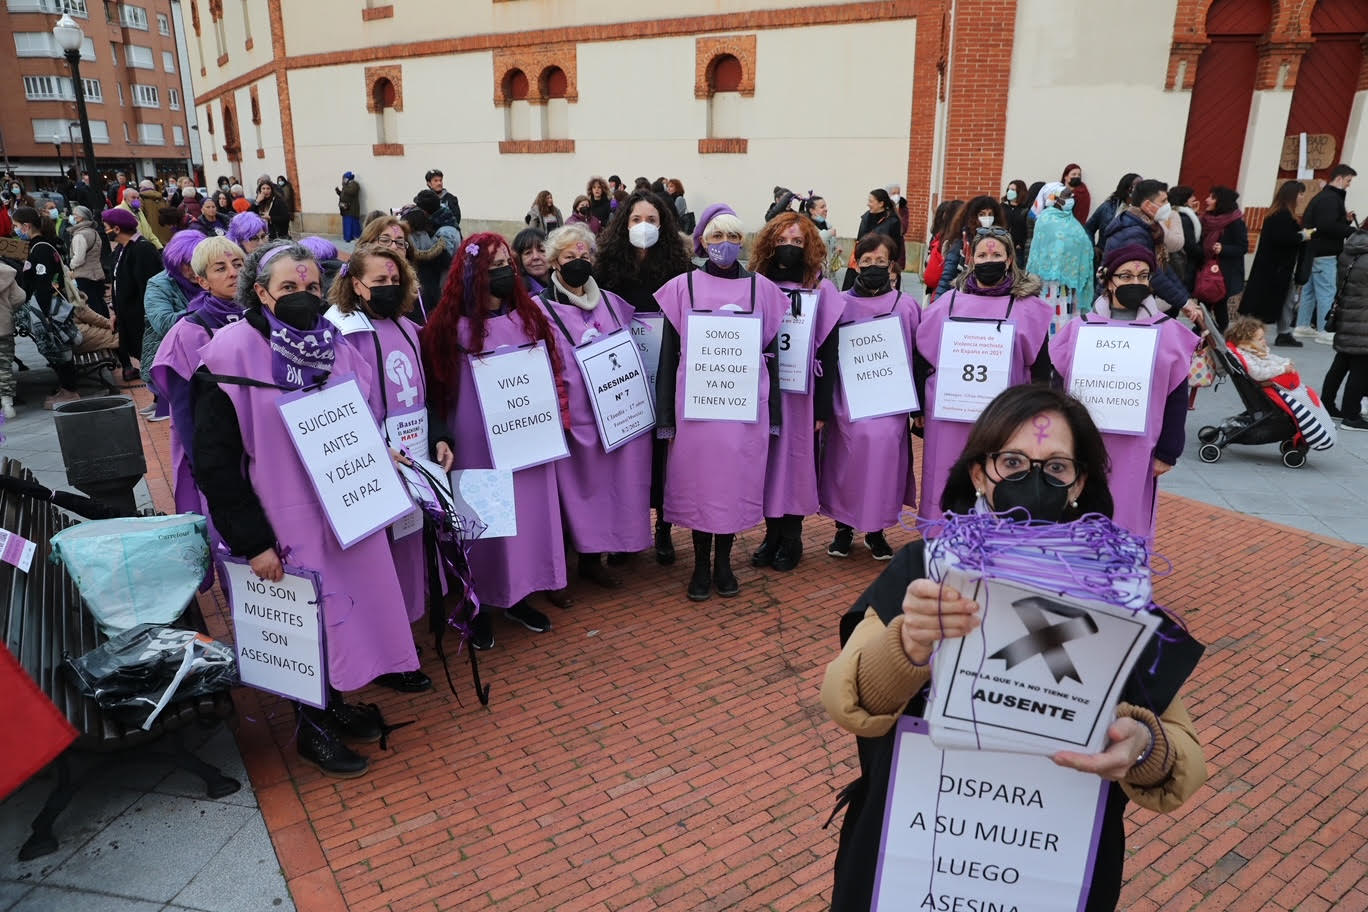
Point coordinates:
[[1042, 426], [302, 271]]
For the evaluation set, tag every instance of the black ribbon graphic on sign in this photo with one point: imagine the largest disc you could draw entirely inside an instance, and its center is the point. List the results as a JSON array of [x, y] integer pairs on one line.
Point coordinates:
[[1046, 639]]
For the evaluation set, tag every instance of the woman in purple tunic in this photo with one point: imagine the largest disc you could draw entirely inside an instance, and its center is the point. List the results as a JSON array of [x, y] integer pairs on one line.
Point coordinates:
[[790, 251], [605, 497], [370, 307], [866, 473], [1144, 434], [263, 502], [716, 481], [987, 333], [484, 307]]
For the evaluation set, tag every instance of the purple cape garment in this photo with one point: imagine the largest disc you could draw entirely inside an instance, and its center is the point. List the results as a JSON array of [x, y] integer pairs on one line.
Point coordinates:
[[605, 498], [398, 339], [867, 475], [791, 471], [507, 570], [716, 481], [178, 356], [364, 622], [1132, 481], [1030, 320]]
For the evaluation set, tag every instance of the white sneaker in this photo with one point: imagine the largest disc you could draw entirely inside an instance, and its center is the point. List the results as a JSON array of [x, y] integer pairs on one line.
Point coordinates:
[[1324, 338], [7, 406], [1303, 331]]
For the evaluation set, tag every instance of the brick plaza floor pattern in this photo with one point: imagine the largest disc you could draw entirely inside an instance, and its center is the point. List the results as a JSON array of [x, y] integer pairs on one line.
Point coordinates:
[[653, 753]]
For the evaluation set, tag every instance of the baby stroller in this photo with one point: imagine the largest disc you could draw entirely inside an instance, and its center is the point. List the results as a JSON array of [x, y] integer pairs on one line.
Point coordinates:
[[1294, 419]]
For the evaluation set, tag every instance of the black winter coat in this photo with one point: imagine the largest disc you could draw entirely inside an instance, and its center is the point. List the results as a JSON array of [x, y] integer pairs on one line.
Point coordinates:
[[1274, 263], [1129, 228], [886, 223], [1351, 333]]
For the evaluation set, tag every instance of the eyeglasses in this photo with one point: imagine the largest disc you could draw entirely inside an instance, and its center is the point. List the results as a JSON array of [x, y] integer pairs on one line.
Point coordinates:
[[385, 240], [1059, 471], [1128, 278], [992, 231]]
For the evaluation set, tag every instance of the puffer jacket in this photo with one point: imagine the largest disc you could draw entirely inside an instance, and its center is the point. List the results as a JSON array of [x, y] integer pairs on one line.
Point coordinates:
[[1351, 333], [97, 333], [11, 296], [1130, 228]]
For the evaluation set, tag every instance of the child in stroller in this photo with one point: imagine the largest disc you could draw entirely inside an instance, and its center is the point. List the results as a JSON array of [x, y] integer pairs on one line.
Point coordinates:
[[1279, 408]]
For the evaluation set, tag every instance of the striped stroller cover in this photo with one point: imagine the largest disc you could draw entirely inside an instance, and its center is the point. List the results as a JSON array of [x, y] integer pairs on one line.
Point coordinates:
[[1314, 422]]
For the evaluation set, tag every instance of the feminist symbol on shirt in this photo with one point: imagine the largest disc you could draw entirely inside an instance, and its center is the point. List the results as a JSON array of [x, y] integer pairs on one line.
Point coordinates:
[[399, 369], [1045, 639]]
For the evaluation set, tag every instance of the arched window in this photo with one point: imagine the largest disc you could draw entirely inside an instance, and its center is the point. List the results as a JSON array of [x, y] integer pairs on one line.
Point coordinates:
[[724, 97], [725, 74], [383, 96], [231, 146], [555, 114], [518, 113]]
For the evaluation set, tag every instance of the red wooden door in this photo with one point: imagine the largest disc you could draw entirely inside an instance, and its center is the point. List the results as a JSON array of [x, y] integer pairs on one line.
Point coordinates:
[[1328, 73], [1218, 114]]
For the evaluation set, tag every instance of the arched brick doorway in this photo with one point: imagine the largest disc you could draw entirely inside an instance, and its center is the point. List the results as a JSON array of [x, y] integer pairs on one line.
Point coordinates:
[[1328, 74]]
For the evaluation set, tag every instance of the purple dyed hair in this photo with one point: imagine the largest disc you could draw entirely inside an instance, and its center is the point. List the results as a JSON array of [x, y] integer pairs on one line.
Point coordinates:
[[176, 254], [245, 226], [321, 248]]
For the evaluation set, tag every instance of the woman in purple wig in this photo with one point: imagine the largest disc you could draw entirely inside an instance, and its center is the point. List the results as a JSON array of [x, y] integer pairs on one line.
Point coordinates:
[[248, 230], [165, 301]]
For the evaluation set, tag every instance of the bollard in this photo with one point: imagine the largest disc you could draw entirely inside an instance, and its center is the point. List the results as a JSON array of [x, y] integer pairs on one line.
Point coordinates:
[[102, 449]]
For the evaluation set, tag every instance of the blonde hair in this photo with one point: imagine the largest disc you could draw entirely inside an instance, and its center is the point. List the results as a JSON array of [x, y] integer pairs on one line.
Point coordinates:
[[565, 237], [209, 250], [344, 296], [724, 222]]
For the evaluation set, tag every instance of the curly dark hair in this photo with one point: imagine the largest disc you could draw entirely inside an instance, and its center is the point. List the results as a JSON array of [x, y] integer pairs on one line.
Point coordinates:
[[767, 241], [617, 265]]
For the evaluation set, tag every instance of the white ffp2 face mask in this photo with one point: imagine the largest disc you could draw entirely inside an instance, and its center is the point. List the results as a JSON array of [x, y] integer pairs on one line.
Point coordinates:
[[1161, 215], [643, 235], [986, 221]]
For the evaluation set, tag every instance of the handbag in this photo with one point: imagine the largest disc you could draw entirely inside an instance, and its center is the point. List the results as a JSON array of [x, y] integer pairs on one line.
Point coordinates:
[[1211, 285], [1202, 370]]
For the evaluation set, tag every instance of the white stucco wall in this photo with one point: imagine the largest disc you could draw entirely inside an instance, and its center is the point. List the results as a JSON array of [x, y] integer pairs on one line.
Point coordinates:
[[1356, 154], [1087, 86]]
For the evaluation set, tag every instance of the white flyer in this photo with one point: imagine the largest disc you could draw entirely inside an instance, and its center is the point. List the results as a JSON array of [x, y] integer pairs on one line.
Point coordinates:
[[722, 364], [876, 372], [1112, 374], [16, 550], [622, 399], [974, 365], [486, 497], [278, 633], [648, 329], [521, 407], [796, 341]]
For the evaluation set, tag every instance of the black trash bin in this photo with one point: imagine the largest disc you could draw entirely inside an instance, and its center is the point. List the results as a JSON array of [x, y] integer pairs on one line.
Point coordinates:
[[102, 449]]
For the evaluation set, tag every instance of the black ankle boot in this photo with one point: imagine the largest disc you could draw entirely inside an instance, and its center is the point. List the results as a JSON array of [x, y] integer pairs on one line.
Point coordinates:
[[318, 743], [355, 721], [700, 584], [764, 555], [790, 549], [664, 545], [723, 577]]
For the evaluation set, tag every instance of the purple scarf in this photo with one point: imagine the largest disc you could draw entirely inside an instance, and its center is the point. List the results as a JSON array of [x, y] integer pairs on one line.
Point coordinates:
[[213, 312], [300, 358], [972, 286]]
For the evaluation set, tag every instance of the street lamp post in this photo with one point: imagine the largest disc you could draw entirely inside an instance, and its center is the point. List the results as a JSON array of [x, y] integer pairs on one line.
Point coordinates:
[[61, 167], [70, 38]]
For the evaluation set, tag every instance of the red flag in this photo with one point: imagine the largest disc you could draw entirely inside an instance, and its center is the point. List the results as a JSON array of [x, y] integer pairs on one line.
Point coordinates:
[[34, 729]]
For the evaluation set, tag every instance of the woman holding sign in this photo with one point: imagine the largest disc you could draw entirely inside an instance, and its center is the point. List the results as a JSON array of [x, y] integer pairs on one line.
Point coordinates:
[[605, 485], [790, 251], [989, 332], [263, 496], [717, 397], [1128, 363], [485, 317], [866, 472], [882, 675]]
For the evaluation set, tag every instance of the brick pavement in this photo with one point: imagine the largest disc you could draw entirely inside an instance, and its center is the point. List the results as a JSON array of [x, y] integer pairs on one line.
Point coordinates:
[[652, 753]]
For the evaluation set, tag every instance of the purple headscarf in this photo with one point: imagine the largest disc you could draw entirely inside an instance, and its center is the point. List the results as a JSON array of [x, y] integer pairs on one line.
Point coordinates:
[[177, 254], [321, 248], [709, 214], [245, 226]]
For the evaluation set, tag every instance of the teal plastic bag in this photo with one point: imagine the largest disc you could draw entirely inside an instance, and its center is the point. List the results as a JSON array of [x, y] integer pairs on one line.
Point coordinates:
[[140, 570]]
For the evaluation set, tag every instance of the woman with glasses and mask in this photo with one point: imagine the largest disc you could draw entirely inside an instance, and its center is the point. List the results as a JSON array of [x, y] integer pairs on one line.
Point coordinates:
[[641, 249], [604, 497], [1134, 381], [866, 464], [1038, 449], [989, 332]]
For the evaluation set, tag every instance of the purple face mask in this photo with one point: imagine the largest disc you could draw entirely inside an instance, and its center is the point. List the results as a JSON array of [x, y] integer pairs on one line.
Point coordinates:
[[724, 254]]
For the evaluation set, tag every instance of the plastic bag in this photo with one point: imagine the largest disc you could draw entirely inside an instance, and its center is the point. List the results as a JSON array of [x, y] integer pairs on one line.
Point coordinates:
[[140, 671], [140, 570]]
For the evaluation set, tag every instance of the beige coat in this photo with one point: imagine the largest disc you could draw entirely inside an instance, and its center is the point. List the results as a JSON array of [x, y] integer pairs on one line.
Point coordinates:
[[11, 296]]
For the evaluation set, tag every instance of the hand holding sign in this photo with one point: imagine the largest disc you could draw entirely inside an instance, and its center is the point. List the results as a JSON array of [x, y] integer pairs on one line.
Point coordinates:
[[1129, 741], [933, 612]]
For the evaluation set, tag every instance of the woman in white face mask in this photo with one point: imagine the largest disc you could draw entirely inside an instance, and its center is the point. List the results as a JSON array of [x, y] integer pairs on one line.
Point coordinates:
[[639, 251]]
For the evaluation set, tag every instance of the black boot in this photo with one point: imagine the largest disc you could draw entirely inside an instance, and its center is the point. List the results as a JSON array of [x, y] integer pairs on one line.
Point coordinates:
[[790, 549], [318, 743], [763, 556], [664, 545], [700, 584], [840, 545], [591, 568], [723, 578], [354, 721]]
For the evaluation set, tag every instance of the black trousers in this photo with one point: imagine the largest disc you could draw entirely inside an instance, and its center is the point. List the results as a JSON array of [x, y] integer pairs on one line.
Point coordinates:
[[1356, 387]]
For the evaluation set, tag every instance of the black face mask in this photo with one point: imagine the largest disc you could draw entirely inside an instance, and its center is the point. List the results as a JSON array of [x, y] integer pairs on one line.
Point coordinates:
[[1075, 181], [1034, 494], [576, 272], [1130, 297], [990, 274], [788, 262], [300, 309], [501, 282], [872, 278], [385, 300]]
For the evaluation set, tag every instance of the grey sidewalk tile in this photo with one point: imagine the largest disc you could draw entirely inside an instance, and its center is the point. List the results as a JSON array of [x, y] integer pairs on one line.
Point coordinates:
[[222, 751], [11, 891], [52, 899], [244, 876], [90, 811]]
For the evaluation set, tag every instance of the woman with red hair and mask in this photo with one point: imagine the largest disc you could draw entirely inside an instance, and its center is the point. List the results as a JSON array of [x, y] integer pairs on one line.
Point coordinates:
[[485, 306]]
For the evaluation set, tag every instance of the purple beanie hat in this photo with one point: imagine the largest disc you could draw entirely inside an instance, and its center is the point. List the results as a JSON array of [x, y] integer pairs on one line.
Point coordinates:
[[1127, 254], [177, 253], [120, 218], [709, 214]]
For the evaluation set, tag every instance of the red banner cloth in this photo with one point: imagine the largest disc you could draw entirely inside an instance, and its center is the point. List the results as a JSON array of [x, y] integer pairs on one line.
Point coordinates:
[[32, 730]]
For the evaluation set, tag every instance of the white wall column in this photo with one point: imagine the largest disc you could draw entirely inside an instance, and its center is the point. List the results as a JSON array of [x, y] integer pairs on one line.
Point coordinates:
[[1263, 146], [1356, 153]]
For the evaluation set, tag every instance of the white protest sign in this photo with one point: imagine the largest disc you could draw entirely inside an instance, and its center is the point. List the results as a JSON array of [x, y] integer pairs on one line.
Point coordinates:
[[648, 330], [795, 343], [876, 373], [16, 550], [408, 433], [521, 408], [722, 368], [614, 377], [973, 830], [974, 365], [278, 633], [485, 497], [1042, 673], [340, 447], [1112, 373]]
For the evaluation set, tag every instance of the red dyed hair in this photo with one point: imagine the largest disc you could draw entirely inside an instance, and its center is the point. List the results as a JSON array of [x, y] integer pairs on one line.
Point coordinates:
[[464, 297]]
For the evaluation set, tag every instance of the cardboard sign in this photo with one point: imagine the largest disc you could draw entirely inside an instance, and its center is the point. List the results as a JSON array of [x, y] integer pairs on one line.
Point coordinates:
[[1043, 672], [521, 408], [648, 330], [1320, 152], [1112, 374], [341, 449], [876, 373], [795, 343], [622, 400], [278, 632], [980, 830], [722, 368], [974, 365]]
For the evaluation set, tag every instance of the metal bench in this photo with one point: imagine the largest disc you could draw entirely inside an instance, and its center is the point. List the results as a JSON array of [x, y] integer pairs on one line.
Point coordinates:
[[43, 619], [99, 366]]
